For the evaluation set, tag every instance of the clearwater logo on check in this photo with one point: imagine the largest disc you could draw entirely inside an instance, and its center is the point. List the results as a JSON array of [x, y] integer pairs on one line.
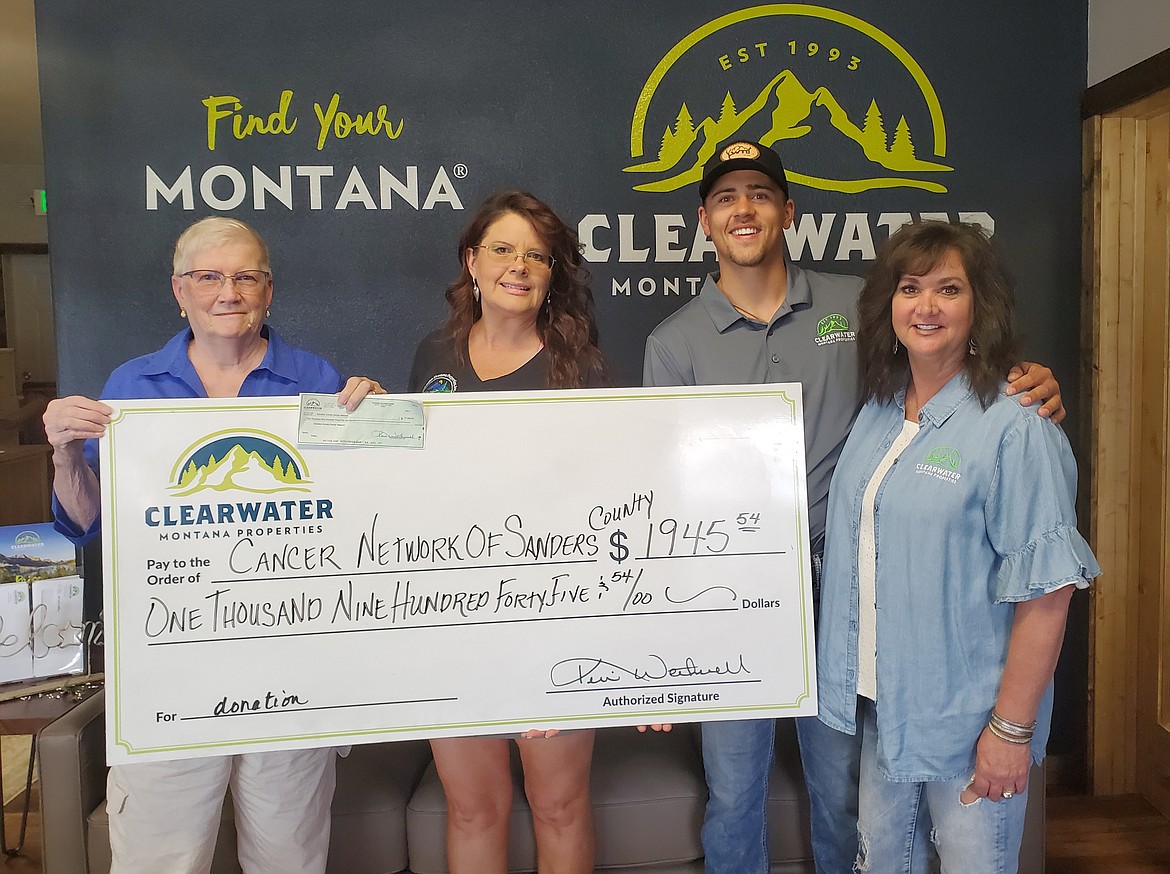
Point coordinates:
[[942, 462], [240, 460], [833, 328]]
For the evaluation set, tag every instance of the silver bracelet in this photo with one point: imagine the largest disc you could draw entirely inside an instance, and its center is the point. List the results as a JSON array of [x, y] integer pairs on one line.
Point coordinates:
[[1007, 729], [1019, 741], [1008, 725]]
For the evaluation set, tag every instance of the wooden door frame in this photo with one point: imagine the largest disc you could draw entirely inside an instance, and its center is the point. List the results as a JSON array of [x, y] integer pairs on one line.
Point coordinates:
[[14, 249], [1125, 308]]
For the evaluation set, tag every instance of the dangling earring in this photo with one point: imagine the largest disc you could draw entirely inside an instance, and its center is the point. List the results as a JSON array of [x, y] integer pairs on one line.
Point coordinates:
[[970, 347], [267, 313], [548, 301], [895, 350], [182, 312], [474, 288]]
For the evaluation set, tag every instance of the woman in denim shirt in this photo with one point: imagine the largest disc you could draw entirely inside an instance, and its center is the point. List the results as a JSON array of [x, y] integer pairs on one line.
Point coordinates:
[[951, 556]]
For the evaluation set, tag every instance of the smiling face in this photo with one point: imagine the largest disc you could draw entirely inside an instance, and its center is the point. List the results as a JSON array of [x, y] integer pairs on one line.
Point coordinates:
[[745, 215], [227, 313], [515, 287], [933, 315]]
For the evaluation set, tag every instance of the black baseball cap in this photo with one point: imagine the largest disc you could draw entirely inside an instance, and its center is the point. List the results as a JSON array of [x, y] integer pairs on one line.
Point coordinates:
[[742, 155]]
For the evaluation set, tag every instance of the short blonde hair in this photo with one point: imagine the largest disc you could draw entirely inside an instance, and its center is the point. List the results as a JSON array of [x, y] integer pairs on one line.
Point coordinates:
[[215, 231]]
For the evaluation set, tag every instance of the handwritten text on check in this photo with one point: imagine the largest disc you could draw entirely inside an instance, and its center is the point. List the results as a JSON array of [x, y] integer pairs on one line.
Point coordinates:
[[569, 559]]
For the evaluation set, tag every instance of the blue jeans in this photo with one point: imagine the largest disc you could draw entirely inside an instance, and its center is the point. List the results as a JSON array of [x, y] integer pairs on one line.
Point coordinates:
[[899, 821], [737, 757], [831, 761]]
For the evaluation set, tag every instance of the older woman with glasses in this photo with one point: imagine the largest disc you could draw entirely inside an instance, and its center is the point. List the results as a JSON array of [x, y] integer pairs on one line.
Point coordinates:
[[951, 555], [521, 317], [164, 816]]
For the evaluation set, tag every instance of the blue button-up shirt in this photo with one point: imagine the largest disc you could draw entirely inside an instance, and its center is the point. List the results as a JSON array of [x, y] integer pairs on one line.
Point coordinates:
[[169, 373], [975, 515]]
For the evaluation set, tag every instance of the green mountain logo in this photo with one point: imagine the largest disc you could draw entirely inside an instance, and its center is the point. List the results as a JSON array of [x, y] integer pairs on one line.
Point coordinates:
[[800, 72], [790, 111], [243, 461], [944, 456], [831, 323]]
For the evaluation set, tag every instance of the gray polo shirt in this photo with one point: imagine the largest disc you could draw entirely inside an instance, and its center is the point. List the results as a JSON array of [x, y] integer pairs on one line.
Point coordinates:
[[810, 340]]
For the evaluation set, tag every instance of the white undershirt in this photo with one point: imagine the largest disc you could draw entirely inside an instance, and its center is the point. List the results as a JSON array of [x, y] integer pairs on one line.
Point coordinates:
[[867, 569]]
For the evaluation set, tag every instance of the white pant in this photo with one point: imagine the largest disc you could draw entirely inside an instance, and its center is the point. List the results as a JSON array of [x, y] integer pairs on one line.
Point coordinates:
[[164, 816]]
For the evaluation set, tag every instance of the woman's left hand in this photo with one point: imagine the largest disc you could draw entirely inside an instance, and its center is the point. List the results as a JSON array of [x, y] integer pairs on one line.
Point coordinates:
[[1038, 384], [356, 389], [1001, 769]]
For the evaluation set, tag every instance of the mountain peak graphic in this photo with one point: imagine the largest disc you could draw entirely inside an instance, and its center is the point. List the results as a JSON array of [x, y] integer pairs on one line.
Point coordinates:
[[791, 111], [239, 470]]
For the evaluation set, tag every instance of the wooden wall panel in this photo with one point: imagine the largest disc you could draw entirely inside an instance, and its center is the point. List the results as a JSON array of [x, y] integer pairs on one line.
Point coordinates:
[[1113, 535], [1089, 371], [1126, 308], [1153, 745]]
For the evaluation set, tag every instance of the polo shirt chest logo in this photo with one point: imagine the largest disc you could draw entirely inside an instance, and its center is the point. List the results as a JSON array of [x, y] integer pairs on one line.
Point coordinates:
[[942, 462], [834, 328]]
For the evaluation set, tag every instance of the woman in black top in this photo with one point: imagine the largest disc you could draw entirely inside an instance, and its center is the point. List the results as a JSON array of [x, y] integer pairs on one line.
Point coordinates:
[[521, 318], [522, 314]]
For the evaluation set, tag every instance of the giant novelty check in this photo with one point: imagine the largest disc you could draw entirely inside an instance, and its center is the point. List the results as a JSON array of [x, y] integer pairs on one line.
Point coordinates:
[[561, 559]]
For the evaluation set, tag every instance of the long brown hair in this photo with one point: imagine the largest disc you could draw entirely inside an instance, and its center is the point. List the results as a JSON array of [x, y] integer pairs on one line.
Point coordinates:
[[917, 249], [566, 323]]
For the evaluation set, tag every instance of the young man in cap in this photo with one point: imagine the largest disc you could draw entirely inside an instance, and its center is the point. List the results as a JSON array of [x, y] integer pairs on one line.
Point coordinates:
[[757, 321]]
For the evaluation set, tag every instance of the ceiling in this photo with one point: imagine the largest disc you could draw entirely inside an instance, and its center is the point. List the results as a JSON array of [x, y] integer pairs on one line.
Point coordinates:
[[20, 100]]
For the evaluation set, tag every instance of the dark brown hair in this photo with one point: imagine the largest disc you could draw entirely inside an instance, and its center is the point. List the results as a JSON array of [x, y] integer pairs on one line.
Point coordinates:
[[566, 323], [917, 249]]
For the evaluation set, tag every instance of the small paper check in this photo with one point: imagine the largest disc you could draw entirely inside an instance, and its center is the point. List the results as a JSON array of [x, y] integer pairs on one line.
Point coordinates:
[[378, 421]]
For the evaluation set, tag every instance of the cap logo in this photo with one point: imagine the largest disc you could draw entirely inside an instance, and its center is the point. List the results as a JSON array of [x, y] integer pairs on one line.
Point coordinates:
[[739, 150]]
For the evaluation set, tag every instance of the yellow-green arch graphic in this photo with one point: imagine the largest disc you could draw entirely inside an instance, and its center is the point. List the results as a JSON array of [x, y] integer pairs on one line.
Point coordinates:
[[228, 432], [637, 128]]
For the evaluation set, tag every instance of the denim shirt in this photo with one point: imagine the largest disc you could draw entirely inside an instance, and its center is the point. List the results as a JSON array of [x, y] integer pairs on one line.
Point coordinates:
[[975, 515], [169, 373]]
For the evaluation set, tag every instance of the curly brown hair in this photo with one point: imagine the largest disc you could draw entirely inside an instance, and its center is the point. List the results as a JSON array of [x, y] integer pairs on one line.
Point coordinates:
[[566, 324], [917, 249]]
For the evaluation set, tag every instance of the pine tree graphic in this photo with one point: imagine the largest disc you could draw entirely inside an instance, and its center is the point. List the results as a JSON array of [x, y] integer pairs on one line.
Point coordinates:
[[286, 475], [902, 148], [189, 473], [667, 142], [873, 132], [727, 111]]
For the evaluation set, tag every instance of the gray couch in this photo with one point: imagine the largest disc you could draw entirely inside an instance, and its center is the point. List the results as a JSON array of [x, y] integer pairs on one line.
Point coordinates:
[[389, 814]]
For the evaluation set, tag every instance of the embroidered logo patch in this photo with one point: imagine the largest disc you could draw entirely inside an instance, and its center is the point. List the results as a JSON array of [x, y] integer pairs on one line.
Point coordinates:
[[942, 462], [833, 328], [739, 150], [442, 382]]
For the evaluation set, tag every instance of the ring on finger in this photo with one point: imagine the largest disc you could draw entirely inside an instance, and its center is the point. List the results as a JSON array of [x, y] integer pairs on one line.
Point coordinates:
[[1008, 793]]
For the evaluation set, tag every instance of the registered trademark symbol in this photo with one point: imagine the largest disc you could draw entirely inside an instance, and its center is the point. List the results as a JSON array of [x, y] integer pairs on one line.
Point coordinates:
[[460, 171]]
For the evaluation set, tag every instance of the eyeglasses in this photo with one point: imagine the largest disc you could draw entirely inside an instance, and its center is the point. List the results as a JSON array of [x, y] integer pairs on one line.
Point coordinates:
[[245, 282], [505, 254]]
